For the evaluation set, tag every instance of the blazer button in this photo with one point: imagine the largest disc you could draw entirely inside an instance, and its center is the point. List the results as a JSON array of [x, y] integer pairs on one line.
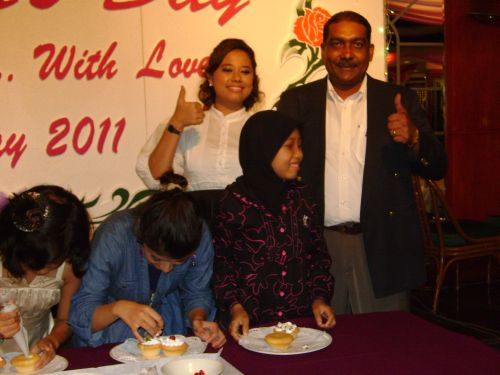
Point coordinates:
[[424, 162], [396, 174], [392, 213]]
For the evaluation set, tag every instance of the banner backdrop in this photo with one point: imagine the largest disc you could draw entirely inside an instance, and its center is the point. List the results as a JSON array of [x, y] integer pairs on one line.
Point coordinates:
[[83, 83]]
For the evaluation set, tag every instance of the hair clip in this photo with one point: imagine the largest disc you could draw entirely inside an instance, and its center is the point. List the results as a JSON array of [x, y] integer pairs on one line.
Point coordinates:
[[33, 218], [170, 186], [170, 181]]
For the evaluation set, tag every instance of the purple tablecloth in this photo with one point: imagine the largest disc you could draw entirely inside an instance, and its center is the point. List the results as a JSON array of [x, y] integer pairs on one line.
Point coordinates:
[[378, 343]]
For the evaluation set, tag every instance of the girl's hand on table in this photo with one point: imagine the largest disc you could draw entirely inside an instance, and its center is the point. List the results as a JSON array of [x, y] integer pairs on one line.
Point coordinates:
[[46, 349], [209, 332], [323, 314], [239, 321]]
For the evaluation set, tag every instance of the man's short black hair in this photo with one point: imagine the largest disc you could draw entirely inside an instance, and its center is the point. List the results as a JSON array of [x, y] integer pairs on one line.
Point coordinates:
[[347, 15]]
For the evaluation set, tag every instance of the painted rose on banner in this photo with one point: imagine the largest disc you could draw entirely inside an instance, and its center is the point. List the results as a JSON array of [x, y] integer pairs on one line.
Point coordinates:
[[308, 30], [309, 27]]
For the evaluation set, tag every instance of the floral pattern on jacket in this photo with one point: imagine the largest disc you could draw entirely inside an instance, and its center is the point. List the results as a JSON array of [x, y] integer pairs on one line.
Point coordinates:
[[274, 265]]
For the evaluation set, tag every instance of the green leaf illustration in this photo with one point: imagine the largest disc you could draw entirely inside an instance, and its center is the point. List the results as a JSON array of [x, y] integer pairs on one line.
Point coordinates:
[[123, 202]]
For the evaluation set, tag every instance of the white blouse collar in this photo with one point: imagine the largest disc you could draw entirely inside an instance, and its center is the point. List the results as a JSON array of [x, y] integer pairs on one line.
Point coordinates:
[[233, 115]]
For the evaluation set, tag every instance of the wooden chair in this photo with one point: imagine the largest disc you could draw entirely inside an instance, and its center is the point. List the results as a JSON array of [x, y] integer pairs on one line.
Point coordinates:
[[444, 238]]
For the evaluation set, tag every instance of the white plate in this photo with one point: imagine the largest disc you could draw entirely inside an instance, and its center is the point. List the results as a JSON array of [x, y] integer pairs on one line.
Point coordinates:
[[308, 340], [57, 364], [128, 352]]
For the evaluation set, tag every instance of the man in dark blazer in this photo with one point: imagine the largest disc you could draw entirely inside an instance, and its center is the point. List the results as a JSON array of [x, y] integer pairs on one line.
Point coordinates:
[[362, 140]]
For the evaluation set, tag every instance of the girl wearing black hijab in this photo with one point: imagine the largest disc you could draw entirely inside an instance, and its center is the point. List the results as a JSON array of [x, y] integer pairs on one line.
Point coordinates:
[[271, 262]]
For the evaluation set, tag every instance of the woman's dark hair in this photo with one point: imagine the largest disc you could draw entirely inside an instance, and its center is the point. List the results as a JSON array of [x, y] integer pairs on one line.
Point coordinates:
[[44, 225], [347, 15], [207, 93], [168, 223]]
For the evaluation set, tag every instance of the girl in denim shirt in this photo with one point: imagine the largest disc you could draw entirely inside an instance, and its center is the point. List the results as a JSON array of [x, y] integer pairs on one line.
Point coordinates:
[[150, 269]]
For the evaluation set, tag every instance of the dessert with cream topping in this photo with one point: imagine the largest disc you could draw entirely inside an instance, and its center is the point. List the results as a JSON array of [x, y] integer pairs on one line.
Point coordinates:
[[150, 348], [25, 364], [173, 345], [287, 327]]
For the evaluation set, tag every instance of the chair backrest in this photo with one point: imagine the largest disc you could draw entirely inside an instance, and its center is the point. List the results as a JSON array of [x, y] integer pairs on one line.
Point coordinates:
[[444, 239], [423, 213], [440, 228]]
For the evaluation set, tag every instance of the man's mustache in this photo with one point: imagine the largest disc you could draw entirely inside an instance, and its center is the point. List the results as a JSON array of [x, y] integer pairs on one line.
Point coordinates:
[[346, 63]]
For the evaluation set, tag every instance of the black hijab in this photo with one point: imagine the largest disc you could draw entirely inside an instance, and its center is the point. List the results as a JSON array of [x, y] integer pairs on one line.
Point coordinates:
[[261, 137]]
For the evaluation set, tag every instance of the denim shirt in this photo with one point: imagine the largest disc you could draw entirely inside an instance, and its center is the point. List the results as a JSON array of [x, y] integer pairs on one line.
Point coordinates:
[[117, 270]]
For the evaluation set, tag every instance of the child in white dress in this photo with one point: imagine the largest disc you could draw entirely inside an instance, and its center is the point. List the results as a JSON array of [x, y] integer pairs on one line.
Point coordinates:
[[44, 245]]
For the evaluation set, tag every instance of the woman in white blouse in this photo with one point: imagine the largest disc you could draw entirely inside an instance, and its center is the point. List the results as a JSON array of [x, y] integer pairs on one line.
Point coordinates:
[[207, 154]]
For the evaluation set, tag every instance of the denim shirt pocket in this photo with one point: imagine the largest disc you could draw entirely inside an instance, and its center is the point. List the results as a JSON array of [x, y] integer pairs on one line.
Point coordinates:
[[128, 289]]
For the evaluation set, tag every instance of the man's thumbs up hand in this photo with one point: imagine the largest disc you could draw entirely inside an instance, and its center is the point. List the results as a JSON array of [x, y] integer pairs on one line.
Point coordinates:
[[400, 126], [397, 103]]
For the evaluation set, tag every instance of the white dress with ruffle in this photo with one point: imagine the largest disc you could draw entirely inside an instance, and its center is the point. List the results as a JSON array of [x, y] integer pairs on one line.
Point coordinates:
[[35, 301]]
